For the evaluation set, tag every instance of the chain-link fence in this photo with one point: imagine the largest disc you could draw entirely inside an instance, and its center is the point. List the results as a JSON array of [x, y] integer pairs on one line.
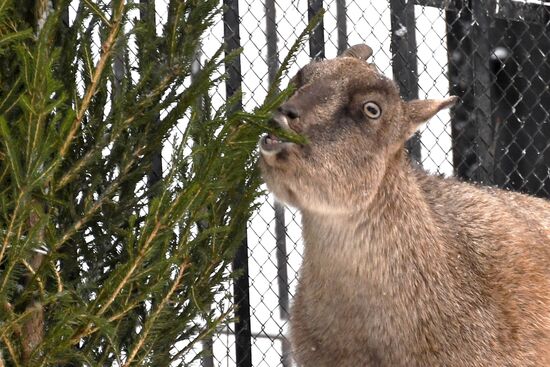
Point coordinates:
[[491, 53]]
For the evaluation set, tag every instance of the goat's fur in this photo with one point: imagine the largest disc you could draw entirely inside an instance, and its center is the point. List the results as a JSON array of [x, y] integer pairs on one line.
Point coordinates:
[[401, 268]]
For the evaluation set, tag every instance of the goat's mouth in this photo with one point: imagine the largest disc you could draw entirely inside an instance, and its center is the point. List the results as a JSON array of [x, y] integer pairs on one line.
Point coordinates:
[[272, 144]]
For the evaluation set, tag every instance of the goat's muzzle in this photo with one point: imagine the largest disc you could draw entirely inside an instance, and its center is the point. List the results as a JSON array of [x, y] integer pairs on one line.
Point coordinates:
[[271, 144]]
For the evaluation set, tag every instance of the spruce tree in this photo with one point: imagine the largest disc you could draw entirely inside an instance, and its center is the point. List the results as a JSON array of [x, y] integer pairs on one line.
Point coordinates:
[[108, 254]]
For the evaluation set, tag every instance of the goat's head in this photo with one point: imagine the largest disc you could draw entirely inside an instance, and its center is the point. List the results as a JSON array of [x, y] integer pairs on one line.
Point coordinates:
[[355, 123]]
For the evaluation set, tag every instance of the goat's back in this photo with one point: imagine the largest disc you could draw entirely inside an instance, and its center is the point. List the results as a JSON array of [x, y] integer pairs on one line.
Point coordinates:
[[500, 240]]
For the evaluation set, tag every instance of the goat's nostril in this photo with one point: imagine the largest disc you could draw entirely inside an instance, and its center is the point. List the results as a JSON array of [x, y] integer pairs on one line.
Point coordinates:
[[289, 111], [293, 113]]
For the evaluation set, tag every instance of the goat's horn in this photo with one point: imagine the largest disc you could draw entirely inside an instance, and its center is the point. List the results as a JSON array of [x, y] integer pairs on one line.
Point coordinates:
[[362, 52]]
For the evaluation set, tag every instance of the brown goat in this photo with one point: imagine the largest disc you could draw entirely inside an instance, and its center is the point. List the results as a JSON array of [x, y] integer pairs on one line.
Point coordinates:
[[401, 268]]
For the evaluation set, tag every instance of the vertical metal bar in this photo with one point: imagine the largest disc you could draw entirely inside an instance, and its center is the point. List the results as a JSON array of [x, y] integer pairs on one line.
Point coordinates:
[[317, 37], [232, 40], [271, 39], [282, 277], [481, 11], [341, 25], [505, 118], [207, 358], [69, 268], [476, 119], [156, 168], [470, 78], [148, 56], [280, 230], [148, 16], [243, 337], [118, 69], [404, 61], [460, 73]]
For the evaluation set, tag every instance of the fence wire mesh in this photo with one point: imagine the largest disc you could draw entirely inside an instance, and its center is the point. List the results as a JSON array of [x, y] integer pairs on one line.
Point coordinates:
[[491, 53]]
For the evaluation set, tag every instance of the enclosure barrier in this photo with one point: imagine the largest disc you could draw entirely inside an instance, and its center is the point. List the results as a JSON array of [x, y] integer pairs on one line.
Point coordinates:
[[495, 61]]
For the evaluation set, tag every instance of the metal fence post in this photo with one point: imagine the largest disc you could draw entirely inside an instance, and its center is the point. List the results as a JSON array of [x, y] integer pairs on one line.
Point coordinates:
[[148, 16], [207, 358], [271, 39], [481, 11], [241, 292], [341, 25], [280, 229], [317, 37], [460, 74], [404, 62], [470, 78], [282, 277]]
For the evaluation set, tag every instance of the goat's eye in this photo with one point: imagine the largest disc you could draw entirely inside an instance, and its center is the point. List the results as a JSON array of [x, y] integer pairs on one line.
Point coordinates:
[[372, 110]]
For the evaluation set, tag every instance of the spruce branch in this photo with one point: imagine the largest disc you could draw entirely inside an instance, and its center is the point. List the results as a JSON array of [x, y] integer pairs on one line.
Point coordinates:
[[32, 271], [58, 280], [98, 12], [88, 214], [141, 255], [106, 48], [203, 334], [159, 309], [15, 36], [11, 350], [15, 323], [128, 274], [9, 232]]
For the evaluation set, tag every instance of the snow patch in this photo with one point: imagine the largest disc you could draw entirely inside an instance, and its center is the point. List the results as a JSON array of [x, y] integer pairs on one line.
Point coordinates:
[[42, 20], [500, 53], [401, 31]]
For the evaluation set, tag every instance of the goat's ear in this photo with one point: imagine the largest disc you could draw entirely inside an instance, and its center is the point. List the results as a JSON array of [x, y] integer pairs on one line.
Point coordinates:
[[420, 111], [361, 51]]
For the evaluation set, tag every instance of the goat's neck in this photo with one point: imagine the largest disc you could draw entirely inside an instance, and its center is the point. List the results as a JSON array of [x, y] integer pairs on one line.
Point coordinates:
[[394, 233]]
